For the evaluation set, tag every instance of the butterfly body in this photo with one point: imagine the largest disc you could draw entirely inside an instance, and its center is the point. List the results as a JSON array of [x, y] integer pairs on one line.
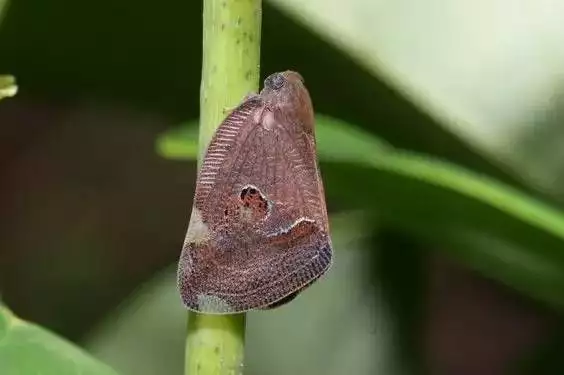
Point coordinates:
[[258, 232]]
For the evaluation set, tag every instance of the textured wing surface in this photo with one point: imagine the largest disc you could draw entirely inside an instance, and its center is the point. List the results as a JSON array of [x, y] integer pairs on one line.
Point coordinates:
[[260, 199]]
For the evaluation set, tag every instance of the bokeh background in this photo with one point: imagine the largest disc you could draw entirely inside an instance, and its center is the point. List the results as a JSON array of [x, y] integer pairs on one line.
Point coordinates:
[[441, 145]]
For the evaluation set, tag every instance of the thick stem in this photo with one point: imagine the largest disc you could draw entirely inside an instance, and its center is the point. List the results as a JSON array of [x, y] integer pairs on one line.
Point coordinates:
[[215, 343]]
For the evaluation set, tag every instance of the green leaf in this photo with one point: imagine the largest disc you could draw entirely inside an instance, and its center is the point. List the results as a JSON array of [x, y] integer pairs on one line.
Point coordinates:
[[181, 143], [489, 72], [3, 7], [7, 86], [492, 227], [27, 349]]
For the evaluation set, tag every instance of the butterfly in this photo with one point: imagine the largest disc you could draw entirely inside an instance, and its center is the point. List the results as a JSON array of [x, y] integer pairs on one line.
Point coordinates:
[[258, 231]]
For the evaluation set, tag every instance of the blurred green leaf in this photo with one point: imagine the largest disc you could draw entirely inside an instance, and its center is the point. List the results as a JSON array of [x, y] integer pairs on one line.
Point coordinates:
[[27, 349], [489, 71], [3, 7], [181, 143], [493, 227], [7, 86]]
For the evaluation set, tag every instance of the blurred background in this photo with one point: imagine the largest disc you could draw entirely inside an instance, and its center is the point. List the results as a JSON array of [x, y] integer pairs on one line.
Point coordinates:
[[441, 146]]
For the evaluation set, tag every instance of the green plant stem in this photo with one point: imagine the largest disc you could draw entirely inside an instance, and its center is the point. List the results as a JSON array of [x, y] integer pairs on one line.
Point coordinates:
[[231, 57]]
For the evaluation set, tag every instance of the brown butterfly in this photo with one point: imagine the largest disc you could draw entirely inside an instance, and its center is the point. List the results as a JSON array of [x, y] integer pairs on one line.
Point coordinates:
[[258, 232]]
